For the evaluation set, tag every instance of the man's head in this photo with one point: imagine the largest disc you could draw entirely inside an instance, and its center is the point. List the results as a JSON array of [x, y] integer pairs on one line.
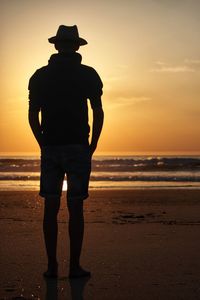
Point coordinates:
[[66, 46], [67, 39]]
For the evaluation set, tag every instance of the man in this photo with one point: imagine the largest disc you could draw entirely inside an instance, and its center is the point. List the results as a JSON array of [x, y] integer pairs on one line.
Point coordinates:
[[60, 91]]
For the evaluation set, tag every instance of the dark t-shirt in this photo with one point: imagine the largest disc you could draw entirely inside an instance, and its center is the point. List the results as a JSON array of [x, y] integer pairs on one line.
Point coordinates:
[[60, 91]]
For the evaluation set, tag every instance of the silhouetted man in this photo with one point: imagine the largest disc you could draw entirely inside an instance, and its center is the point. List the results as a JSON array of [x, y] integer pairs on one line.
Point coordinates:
[[60, 91]]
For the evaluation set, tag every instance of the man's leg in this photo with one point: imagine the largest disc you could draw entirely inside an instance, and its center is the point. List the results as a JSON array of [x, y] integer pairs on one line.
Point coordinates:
[[76, 232], [50, 228]]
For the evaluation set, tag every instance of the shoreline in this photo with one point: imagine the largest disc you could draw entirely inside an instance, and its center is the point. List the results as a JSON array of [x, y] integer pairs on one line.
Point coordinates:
[[15, 189]]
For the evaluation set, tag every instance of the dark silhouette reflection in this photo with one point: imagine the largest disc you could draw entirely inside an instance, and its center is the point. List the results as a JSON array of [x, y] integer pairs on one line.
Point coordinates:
[[77, 287], [51, 289]]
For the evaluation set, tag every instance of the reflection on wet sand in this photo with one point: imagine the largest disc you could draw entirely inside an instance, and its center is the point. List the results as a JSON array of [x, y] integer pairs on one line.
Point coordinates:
[[76, 288]]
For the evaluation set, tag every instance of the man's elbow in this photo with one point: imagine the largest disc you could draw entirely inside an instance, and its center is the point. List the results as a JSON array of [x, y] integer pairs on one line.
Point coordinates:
[[32, 117]]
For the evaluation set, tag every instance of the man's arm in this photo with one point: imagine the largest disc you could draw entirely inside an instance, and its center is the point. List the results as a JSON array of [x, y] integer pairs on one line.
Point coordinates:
[[98, 117], [35, 125]]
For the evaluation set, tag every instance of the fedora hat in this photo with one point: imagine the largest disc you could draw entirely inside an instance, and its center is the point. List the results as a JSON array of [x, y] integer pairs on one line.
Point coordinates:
[[67, 33]]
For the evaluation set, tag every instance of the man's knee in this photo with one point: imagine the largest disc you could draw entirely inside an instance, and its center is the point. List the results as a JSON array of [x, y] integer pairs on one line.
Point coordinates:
[[75, 207]]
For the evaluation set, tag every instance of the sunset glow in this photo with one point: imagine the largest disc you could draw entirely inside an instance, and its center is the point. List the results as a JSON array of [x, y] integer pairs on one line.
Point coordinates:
[[146, 52]]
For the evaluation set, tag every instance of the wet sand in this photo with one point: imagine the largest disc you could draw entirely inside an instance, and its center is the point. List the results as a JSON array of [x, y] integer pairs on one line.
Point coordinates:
[[139, 244]]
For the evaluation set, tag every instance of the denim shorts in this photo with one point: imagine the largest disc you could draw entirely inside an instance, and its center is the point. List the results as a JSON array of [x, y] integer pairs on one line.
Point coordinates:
[[74, 161]]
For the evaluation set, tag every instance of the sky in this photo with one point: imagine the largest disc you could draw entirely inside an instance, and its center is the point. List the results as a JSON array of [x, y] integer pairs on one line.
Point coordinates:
[[147, 53]]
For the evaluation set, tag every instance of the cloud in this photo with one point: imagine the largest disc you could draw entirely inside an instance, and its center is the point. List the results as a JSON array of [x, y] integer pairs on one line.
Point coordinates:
[[187, 66], [192, 61], [162, 67], [175, 69], [123, 101]]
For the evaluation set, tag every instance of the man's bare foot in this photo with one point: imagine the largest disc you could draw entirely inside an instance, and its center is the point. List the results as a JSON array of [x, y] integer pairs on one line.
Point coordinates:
[[78, 272]]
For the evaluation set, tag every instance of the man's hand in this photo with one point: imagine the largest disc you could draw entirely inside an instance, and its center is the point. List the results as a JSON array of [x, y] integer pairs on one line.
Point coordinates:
[[92, 149]]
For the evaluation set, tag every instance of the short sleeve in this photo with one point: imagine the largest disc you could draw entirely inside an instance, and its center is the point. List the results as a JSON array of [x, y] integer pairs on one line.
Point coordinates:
[[34, 93], [95, 89]]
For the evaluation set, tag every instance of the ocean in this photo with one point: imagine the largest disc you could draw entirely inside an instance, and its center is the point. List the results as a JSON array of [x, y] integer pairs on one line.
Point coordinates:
[[21, 173]]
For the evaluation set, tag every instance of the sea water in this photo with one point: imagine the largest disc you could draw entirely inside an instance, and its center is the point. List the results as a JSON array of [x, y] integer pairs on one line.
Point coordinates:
[[110, 172]]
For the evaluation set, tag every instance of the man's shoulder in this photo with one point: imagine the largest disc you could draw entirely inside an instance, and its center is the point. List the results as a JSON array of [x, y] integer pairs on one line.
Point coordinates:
[[40, 71], [90, 72], [36, 77], [88, 69]]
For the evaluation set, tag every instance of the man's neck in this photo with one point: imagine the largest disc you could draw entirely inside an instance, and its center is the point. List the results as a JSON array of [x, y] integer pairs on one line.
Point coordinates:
[[66, 52]]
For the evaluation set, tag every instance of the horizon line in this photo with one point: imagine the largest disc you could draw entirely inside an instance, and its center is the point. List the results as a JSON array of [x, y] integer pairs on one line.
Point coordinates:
[[109, 153]]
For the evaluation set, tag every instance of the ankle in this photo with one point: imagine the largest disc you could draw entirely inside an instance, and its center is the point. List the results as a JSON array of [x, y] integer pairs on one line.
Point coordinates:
[[52, 263], [74, 266]]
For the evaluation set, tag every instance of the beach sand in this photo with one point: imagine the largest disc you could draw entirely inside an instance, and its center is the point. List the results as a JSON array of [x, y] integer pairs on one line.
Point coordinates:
[[139, 244]]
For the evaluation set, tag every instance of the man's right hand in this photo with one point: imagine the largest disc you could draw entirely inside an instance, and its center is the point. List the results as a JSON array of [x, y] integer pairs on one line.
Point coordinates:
[[92, 149]]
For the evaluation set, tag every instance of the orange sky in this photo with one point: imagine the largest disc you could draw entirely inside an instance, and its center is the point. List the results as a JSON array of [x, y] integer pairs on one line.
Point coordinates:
[[146, 52]]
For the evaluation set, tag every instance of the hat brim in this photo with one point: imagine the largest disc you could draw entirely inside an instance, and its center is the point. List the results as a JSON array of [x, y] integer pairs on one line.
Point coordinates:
[[55, 39]]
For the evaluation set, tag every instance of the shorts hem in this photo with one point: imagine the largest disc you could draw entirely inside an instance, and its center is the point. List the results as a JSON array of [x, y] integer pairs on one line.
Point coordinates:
[[45, 195], [78, 198]]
